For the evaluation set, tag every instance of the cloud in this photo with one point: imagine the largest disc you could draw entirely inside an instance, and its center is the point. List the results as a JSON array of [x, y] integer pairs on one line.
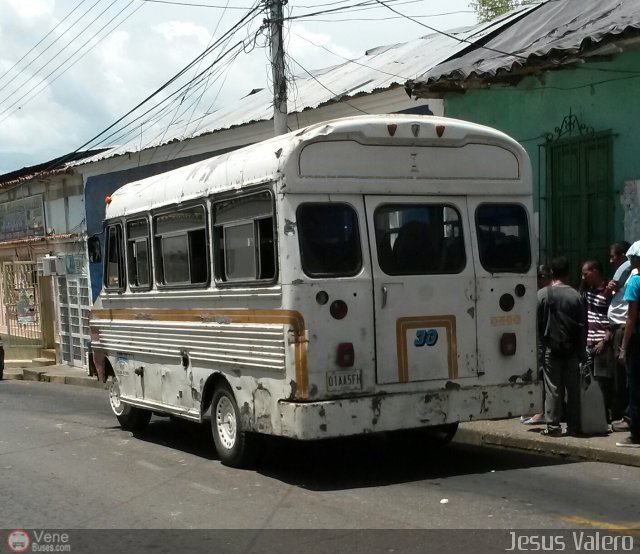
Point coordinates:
[[28, 12]]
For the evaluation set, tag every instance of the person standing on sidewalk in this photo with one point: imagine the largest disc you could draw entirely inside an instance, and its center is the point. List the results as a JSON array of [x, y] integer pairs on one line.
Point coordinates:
[[630, 349], [561, 319], [617, 316], [596, 297]]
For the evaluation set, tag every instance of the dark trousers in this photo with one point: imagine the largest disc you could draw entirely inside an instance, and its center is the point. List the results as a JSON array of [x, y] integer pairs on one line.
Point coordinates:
[[562, 379], [633, 375], [621, 389]]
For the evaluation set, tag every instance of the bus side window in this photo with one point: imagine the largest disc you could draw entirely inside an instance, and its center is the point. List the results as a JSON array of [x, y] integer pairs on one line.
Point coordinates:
[[181, 247], [503, 238], [138, 252], [329, 240], [114, 265], [244, 244]]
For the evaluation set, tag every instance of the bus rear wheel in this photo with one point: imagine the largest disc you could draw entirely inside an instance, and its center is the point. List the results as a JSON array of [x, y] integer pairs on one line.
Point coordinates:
[[235, 447], [130, 418]]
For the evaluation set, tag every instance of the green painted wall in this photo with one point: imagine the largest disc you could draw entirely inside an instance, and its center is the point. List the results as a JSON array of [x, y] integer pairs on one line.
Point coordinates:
[[603, 95]]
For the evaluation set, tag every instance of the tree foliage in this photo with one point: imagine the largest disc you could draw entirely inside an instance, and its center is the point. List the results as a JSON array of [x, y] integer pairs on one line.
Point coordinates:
[[490, 9]]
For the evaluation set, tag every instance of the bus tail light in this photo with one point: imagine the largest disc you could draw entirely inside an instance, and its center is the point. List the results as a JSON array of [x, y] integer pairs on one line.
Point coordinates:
[[346, 356], [508, 344]]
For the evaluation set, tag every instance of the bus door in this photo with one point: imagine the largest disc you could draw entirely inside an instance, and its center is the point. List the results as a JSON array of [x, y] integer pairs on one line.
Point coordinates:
[[506, 289], [424, 288]]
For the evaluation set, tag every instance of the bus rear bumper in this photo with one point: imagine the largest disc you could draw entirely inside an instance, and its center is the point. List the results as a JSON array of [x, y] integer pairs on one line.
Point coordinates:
[[389, 412]]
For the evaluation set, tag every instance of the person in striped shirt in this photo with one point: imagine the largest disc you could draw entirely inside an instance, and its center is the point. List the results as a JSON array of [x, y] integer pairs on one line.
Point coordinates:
[[596, 298]]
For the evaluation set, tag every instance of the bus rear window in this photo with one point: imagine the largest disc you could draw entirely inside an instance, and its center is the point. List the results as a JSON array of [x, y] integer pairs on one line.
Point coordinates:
[[419, 239], [503, 238], [329, 240]]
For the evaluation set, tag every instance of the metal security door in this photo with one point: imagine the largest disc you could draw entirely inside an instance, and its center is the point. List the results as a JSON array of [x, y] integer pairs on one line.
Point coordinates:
[[73, 302], [580, 196], [21, 297]]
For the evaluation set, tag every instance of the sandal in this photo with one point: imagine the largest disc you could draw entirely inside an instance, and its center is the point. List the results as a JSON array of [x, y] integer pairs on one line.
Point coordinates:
[[551, 432], [532, 421]]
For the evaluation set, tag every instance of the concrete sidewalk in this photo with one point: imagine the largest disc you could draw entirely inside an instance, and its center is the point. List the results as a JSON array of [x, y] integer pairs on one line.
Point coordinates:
[[508, 433], [60, 373]]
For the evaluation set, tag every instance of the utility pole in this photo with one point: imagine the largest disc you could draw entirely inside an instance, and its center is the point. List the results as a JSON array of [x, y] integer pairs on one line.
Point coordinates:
[[277, 66]]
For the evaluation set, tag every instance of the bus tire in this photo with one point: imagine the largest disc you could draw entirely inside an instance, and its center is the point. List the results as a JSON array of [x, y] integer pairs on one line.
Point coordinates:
[[441, 434], [235, 447], [130, 418]]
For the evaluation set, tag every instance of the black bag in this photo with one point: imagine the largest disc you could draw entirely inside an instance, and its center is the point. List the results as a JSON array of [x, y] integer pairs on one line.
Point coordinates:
[[562, 332], [593, 416]]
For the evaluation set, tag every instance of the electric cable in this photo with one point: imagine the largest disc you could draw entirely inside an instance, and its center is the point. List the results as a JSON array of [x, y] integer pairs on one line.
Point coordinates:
[[20, 87], [49, 46], [45, 37], [44, 84]]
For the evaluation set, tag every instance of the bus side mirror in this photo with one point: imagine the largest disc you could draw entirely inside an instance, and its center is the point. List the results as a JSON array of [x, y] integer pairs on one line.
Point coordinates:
[[94, 249]]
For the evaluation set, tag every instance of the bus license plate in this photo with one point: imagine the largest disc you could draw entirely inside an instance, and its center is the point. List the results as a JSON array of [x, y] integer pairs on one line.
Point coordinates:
[[338, 381]]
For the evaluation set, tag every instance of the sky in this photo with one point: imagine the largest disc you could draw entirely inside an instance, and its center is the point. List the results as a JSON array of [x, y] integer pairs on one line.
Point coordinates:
[[71, 68]]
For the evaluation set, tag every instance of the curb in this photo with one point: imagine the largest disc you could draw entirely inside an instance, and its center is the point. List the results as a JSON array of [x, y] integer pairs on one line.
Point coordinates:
[[40, 375], [551, 447]]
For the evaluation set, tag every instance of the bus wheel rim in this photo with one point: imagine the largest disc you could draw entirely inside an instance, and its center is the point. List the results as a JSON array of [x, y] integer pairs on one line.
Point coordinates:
[[114, 398], [226, 423]]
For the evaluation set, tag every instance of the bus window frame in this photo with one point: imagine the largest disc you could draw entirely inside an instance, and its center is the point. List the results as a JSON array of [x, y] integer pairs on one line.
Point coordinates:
[[150, 265], [156, 252], [363, 250], [122, 272], [216, 252], [442, 205], [527, 226]]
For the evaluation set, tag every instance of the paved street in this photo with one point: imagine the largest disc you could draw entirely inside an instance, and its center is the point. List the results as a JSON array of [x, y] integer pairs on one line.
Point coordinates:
[[65, 463]]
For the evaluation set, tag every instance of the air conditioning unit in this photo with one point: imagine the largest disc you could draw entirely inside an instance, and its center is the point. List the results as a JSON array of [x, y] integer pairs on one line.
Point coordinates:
[[52, 265]]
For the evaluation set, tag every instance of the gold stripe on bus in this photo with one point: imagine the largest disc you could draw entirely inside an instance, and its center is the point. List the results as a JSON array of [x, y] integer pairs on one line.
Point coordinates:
[[259, 317], [405, 324]]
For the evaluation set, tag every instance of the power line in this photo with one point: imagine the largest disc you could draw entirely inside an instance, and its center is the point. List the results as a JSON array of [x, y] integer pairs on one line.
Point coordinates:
[[105, 139], [48, 47], [323, 85], [191, 64], [199, 82], [43, 39], [204, 88], [388, 18], [20, 86], [351, 60], [196, 5], [444, 33], [31, 96]]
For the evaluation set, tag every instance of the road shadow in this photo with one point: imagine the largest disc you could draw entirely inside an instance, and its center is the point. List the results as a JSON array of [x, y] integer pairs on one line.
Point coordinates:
[[347, 463], [182, 435], [379, 460]]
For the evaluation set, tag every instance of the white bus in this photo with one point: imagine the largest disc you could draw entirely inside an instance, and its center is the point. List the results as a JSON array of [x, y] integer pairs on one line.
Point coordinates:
[[365, 274]]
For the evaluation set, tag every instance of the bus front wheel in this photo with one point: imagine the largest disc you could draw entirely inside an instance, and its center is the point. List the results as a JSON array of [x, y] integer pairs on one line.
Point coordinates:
[[235, 447], [129, 417]]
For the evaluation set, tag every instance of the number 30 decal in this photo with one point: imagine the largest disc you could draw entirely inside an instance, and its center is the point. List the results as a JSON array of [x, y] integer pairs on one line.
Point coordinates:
[[426, 337]]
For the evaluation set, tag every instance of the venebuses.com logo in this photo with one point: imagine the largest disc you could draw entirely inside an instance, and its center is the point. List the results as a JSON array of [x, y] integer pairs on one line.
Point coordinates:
[[18, 540]]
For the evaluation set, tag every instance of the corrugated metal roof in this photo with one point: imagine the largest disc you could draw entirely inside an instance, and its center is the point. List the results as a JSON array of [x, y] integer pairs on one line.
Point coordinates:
[[379, 69], [53, 167], [550, 34]]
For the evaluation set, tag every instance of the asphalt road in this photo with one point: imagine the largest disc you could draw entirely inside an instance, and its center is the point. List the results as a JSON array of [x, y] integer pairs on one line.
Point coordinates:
[[66, 464]]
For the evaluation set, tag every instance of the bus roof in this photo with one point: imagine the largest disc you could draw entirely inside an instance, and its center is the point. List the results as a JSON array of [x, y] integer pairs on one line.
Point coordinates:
[[373, 154]]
